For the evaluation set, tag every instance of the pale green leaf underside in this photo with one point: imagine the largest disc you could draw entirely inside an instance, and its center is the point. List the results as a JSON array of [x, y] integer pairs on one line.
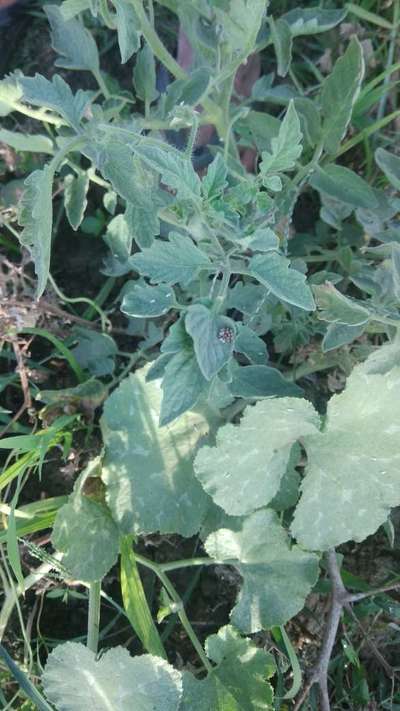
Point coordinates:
[[75, 191], [390, 164], [74, 681], [143, 301], [36, 216], [276, 578], [339, 93], [334, 307], [148, 470], [243, 472], [353, 473]]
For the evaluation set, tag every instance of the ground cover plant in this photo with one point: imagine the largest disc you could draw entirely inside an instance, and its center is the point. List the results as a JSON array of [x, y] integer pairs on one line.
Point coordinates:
[[199, 301]]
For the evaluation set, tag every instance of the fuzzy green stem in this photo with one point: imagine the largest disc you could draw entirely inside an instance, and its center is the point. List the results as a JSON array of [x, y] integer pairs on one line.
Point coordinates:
[[94, 616]]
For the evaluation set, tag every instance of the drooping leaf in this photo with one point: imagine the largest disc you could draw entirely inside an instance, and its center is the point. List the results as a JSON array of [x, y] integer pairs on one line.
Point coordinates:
[[74, 680], [35, 143], [148, 469], [339, 93], [119, 238], [144, 75], [251, 345], [312, 20], [273, 271], [183, 385], [337, 308], [310, 119], [238, 683], [286, 147], [148, 301], [390, 164], [276, 577], [352, 476], [128, 29], [95, 351], [87, 557], [56, 95], [257, 381], [213, 338], [282, 39], [243, 471], [175, 261], [72, 41], [344, 185], [175, 168], [36, 217], [75, 191]]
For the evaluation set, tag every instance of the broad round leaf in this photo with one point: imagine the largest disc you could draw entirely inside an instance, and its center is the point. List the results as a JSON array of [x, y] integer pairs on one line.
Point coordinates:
[[74, 681]]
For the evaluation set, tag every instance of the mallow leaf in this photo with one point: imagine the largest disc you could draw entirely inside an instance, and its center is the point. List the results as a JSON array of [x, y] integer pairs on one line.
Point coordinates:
[[72, 41], [237, 683], [286, 147], [390, 165], [243, 471], [213, 338], [344, 185], [177, 260], [36, 217], [274, 272], [87, 557], [352, 477], [144, 301], [276, 577], [74, 680], [148, 469], [339, 93]]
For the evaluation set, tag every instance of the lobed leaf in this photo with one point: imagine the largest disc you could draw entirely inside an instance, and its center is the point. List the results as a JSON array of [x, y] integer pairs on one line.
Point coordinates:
[[243, 471], [276, 577], [352, 476]]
